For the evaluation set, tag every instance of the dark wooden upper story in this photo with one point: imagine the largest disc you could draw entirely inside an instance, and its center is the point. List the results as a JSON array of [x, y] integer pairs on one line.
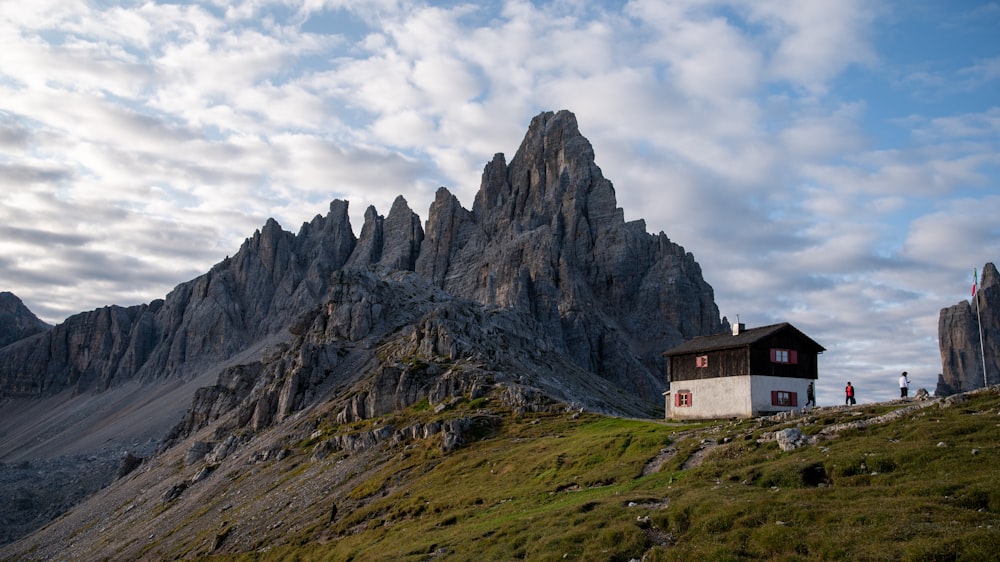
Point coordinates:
[[778, 350]]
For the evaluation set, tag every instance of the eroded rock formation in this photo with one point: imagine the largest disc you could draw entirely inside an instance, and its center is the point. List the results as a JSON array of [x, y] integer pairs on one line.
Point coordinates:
[[958, 338]]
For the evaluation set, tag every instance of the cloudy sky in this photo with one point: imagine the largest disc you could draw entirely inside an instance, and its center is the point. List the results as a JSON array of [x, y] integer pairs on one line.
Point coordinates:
[[835, 164]]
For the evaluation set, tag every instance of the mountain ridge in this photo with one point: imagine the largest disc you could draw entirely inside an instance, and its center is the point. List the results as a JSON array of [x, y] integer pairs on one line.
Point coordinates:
[[516, 222]]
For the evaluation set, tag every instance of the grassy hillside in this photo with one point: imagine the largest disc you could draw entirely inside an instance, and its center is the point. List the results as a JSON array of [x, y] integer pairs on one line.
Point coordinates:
[[925, 486]]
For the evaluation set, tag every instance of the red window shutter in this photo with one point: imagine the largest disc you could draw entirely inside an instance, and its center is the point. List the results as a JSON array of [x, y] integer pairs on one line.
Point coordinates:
[[793, 357], [774, 355], [677, 399], [690, 399], [774, 393], [793, 397]]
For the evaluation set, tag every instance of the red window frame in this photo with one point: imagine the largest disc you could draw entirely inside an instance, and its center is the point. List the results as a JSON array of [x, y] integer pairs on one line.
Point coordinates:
[[784, 356], [682, 399], [701, 361], [784, 398]]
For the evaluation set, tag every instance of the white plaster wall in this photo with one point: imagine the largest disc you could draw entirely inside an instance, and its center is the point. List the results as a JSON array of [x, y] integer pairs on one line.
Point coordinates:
[[761, 387], [722, 397], [726, 397]]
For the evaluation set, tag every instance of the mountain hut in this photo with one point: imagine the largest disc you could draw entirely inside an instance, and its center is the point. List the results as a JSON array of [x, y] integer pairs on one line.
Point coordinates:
[[751, 372]]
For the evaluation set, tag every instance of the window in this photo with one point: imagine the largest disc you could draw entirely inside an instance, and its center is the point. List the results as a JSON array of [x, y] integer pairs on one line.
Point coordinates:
[[682, 399], [784, 398], [789, 356], [701, 361]]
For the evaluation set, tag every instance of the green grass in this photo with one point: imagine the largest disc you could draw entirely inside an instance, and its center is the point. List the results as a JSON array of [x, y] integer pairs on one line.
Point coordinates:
[[558, 487]]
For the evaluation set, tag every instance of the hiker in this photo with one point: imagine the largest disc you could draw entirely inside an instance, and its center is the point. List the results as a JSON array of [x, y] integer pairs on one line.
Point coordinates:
[[811, 395], [904, 385], [849, 392]]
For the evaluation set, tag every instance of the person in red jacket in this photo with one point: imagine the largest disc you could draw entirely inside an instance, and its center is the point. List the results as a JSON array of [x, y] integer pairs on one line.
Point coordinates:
[[849, 392]]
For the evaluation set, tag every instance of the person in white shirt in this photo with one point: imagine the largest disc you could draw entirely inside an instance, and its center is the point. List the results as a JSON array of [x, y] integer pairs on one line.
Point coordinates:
[[904, 385]]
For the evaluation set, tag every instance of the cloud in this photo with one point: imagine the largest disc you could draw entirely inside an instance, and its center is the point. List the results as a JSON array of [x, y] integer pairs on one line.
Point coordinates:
[[140, 144], [958, 229]]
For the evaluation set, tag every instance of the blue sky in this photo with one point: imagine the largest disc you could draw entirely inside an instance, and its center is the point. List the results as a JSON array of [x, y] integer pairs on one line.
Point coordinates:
[[831, 164]]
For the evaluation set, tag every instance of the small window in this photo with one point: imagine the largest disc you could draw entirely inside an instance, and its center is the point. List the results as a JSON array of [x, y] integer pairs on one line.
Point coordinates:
[[784, 398], [701, 361], [682, 399], [789, 356]]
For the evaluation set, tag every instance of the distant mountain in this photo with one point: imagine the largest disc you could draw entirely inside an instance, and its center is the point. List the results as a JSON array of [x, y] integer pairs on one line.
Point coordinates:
[[959, 339], [16, 321], [541, 298]]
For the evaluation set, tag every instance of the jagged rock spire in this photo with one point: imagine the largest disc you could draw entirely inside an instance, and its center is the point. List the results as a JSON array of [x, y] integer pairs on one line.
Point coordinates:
[[545, 234]]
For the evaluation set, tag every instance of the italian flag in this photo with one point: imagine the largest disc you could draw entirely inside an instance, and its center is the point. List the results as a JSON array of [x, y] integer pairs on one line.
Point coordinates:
[[975, 280]]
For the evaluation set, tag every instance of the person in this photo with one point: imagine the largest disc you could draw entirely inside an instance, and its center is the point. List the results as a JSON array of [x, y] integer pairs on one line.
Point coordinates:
[[904, 385], [810, 395], [849, 392]]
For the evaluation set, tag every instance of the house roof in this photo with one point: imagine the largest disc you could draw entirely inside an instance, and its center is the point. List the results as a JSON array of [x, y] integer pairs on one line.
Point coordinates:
[[744, 338]]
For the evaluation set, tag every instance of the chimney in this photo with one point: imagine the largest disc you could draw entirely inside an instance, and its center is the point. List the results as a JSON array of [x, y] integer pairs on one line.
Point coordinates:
[[738, 328]]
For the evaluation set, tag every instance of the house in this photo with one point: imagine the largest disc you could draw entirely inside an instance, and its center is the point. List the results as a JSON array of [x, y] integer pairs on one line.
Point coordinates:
[[751, 372]]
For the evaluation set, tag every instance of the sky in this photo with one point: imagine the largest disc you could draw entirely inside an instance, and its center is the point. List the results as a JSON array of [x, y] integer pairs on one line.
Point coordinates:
[[833, 164]]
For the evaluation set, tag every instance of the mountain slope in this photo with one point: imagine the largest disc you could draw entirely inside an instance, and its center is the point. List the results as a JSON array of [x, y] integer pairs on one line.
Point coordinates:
[[901, 480]]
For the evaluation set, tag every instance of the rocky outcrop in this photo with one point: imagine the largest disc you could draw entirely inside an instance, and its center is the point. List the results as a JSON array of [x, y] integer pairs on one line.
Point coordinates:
[[16, 320], [959, 339], [392, 242]]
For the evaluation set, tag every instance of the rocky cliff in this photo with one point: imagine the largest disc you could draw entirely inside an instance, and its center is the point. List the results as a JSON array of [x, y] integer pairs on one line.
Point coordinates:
[[241, 300], [959, 341], [16, 321]]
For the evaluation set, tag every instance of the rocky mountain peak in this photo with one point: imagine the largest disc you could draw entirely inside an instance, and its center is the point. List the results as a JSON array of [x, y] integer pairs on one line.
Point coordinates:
[[546, 235], [990, 277], [16, 320], [393, 242]]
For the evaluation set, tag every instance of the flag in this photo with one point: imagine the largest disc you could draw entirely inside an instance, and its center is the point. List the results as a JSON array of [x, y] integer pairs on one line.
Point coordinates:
[[975, 280]]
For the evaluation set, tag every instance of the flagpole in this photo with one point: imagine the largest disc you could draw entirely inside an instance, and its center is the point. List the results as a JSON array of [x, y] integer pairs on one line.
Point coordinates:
[[979, 317]]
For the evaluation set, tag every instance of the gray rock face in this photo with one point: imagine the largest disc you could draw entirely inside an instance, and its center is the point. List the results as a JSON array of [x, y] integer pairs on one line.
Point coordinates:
[[393, 242], [86, 348], [241, 300], [958, 339], [545, 235], [387, 339], [16, 320]]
